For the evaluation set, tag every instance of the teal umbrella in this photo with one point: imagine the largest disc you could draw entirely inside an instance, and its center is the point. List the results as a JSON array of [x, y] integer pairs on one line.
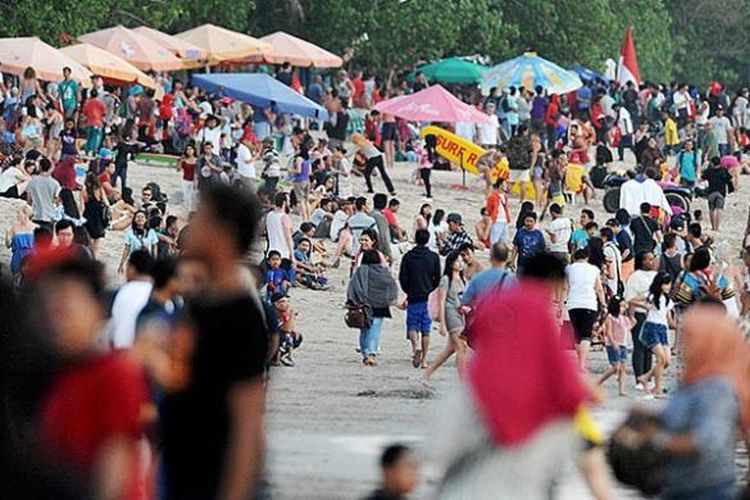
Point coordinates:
[[454, 70]]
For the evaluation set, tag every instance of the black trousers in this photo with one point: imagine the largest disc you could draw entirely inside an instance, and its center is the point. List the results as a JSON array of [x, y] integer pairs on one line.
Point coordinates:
[[424, 173], [626, 141], [372, 164], [641, 354]]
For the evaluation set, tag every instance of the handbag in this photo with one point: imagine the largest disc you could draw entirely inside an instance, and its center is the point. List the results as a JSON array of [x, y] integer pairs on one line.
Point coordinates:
[[358, 316], [635, 463]]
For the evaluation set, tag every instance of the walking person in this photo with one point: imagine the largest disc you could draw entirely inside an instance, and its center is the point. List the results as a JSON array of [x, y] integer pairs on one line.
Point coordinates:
[[372, 159], [372, 284], [656, 329], [418, 276], [186, 165], [452, 323], [585, 293], [636, 292]]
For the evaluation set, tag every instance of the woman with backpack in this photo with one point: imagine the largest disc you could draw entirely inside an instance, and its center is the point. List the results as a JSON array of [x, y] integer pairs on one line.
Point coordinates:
[[373, 288], [452, 323]]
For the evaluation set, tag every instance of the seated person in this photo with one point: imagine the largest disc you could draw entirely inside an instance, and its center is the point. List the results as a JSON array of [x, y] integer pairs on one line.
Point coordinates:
[[309, 274], [290, 339], [278, 280], [307, 231], [106, 180], [322, 217]]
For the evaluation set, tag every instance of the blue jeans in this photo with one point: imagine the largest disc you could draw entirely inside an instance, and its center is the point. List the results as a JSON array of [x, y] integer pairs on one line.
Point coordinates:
[[122, 174], [369, 338]]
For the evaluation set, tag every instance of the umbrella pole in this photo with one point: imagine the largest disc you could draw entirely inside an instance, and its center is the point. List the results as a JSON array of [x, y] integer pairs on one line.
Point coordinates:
[[463, 171]]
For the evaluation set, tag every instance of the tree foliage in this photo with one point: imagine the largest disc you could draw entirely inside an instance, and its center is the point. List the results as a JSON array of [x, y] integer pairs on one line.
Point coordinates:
[[690, 40]]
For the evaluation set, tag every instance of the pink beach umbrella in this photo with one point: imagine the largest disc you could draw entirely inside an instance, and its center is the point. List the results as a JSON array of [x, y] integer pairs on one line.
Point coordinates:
[[433, 104]]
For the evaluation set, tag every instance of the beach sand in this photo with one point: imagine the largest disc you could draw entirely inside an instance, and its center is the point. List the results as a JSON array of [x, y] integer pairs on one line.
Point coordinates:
[[329, 417]]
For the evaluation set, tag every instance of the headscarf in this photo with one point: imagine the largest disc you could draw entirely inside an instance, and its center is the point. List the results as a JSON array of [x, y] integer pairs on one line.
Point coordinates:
[[713, 346], [526, 208], [520, 376]]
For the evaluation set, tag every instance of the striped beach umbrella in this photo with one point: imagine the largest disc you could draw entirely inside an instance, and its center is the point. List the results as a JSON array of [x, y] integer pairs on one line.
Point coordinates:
[[528, 71]]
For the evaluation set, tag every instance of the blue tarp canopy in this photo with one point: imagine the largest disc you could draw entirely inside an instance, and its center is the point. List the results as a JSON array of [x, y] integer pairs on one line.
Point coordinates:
[[590, 75], [261, 90]]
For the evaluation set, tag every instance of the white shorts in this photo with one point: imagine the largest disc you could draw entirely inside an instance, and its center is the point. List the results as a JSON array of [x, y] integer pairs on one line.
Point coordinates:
[[520, 175]]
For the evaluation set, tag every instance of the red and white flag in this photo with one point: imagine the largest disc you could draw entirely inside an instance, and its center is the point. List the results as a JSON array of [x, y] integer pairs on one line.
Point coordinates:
[[627, 69]]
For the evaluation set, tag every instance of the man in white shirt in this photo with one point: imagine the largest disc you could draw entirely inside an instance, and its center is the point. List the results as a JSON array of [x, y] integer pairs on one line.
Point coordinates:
[[559, 232], [487, 132], [246, 175], [642, 189], [722, 130], [625, 124], [681, 100], [130, 299]]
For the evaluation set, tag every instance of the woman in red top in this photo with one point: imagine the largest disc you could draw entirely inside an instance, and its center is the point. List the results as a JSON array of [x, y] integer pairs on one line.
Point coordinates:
[[551, 119], [93, 415], [187, 166]]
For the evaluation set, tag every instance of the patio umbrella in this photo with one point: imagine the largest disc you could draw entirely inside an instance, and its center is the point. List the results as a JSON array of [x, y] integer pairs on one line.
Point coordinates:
[[191, 55], [17, 54], [297, 52], [530, 70], [107, 65], [224, 45], [433, 104], [454, 70], [137, 49], [260, 90], [590, 75]]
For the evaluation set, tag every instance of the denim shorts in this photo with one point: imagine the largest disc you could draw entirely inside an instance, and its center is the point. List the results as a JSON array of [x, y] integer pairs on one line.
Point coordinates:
[[617, 355], [655, 334], [418, 318]]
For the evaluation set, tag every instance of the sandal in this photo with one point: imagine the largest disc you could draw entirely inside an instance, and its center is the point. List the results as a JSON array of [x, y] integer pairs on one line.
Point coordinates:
[[416, 360]]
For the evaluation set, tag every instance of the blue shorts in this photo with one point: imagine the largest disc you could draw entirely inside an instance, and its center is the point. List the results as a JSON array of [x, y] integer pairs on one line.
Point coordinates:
[[655, 334], [617, 355], [418, 318]]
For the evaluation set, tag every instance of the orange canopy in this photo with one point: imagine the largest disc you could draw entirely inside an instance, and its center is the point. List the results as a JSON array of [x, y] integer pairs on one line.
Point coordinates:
[[224, 45], [17, 54], [107, 65], [191, 55], [297, 52], [137, 49]]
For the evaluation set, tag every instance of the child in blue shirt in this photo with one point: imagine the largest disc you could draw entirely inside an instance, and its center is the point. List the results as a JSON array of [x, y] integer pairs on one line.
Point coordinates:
[[278, 280]]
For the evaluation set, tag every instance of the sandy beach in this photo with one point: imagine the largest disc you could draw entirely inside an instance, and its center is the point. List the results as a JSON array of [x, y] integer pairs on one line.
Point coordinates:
[[329, 416]]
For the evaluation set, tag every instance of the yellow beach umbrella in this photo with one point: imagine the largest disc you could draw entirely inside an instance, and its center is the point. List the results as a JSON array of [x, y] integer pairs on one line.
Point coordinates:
[[17, 54], [191, 55], [224, 45], [107, 65], [137, 49]]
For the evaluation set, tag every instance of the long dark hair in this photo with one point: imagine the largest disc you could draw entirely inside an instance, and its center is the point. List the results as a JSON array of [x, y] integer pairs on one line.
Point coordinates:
[[136, 231], [370, 257], [437, 217], [448, 271], [526, 208], [70, 208], [596, 252], [655, 291], [421, 212]]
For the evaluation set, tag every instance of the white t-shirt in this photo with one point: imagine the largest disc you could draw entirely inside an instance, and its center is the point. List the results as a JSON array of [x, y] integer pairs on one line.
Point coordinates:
[[637, 286], [562, 229], [488, 131], [721, 125], [128, 303], [8, 178], [659, 316], [212, 135], [245, 163], [434, 231], [581, 280], [337, 224]]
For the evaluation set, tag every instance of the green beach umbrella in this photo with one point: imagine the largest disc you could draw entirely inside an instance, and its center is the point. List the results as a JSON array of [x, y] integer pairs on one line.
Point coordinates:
[[454, 70]]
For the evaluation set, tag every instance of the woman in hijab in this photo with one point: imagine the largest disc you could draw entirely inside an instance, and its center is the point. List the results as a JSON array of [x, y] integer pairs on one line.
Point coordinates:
[[526, 208], [511, 431], [699, 426], [372, 284]]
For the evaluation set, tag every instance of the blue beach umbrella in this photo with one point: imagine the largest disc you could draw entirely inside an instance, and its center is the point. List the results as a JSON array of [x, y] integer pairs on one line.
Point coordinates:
[[589, 75], [530, 70]]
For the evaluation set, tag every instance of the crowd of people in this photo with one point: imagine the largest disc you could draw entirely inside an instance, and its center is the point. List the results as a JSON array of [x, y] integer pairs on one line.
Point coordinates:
[[158, 388]]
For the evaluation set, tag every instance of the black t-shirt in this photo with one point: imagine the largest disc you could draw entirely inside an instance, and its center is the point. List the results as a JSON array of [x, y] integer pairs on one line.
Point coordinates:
[[231, 344], [123, 152], [643, 228], [719, 180], [68, 139]]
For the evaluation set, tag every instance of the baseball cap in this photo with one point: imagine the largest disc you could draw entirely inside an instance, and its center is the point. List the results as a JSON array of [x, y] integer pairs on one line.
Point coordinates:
[[454, 217], [277, 296]]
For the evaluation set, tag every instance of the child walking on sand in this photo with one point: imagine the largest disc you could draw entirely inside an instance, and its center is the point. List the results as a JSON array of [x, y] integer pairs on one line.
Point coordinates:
[[616, 326], [655, 330]]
